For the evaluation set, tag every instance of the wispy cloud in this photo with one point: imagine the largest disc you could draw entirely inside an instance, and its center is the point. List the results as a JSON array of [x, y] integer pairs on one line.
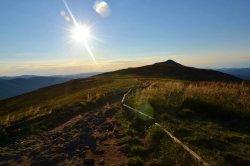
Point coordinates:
[[68, 67], [73, 66]]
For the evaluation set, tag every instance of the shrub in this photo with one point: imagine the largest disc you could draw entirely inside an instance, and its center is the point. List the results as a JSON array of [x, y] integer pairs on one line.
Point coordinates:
[[125, 148], [171, 153], [135, 161], [140, 123], [3, 136], [154, 137], [185, 113], [137, 149]]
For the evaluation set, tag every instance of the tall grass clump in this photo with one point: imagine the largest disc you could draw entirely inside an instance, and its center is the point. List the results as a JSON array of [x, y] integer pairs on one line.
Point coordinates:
[[219, 96], [165, 150], [211, 118]]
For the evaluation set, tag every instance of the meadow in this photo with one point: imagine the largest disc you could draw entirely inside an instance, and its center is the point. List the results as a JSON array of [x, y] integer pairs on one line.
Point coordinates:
[[46, 108], [212, 118], [177, 94]]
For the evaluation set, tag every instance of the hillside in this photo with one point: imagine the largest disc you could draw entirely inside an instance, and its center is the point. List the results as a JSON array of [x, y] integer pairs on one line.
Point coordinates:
[[17, 86], [174, 70], [13, 86], [82, 121], [70, 123], [76, 90]]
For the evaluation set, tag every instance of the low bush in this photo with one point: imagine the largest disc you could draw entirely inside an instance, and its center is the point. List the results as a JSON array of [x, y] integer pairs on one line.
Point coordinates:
[[154, 137], [135, 161], [137, 149], [3, 136]]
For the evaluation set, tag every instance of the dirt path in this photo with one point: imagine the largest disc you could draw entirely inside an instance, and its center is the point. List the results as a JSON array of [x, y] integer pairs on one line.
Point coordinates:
[[68, 123], [107, 134], [87, 139]]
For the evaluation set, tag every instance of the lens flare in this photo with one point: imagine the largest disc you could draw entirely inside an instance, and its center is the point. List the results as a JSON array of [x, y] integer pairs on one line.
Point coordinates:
[[80, 33], [63, 13], [70, 13], [102, 8], [90, 52]]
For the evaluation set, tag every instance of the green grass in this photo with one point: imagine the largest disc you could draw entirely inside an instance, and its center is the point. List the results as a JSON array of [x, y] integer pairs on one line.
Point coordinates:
[[45, 101], [175, 94], [210, 117], [135, 161], [147, 144], [44, 109]]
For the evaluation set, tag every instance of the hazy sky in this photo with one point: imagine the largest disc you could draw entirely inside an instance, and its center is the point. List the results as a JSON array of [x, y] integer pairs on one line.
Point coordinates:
[[35, 38]]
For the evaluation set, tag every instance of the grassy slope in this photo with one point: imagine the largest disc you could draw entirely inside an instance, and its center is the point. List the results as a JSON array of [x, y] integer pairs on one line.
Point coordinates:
[[52, 102], [19, 86], [212, 118], [82, 90], [46, 108], [179, 72], [72, 92]]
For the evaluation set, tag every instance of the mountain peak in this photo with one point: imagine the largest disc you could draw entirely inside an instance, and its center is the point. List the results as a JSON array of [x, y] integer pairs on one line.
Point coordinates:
[[170, 62]]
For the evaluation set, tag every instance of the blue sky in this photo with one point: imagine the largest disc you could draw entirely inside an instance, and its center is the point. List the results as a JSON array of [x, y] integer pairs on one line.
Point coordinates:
[[34, 37]]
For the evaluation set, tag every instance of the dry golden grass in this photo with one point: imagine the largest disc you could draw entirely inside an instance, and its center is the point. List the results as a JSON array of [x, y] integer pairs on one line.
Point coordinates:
[[212, 118], [229, 96], [44, 101]]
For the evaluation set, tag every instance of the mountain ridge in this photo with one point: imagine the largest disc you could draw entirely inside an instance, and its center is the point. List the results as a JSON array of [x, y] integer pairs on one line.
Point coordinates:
[[243, 73], [173, 70], [16, 85]]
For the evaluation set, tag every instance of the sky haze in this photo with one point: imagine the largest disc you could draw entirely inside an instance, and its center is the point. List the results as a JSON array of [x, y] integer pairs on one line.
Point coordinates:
[[35, 35]]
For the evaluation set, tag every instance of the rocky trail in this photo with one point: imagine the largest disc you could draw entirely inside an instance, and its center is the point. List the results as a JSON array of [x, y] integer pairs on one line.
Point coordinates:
[[89, 139]]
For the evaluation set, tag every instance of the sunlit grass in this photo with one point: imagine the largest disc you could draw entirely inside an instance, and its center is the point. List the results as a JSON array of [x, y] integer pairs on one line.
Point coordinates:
[[45, 101], [235, 97], [210, 117]]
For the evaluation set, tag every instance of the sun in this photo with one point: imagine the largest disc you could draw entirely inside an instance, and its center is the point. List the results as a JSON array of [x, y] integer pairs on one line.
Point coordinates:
[[81, 33]]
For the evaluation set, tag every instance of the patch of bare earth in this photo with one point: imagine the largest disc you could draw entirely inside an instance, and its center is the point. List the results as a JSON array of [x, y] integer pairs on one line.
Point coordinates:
[[88, 139]]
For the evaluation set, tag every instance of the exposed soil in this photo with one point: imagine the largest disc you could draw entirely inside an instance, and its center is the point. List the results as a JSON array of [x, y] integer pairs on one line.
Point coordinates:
[[87, 139]]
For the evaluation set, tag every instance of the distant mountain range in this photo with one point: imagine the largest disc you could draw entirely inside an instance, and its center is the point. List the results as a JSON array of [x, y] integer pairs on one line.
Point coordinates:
[[17, 85], [243, 73], [70, 76]]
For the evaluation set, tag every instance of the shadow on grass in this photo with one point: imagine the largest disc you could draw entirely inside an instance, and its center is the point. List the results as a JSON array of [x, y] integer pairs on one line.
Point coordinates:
[[229, 118], [47, 122]]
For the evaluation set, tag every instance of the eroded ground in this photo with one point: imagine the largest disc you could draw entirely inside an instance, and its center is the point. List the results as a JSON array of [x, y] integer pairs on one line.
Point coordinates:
[[87, 139]]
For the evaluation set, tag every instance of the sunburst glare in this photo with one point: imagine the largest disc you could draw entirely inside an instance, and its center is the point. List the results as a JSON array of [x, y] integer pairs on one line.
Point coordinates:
[[80, 33]]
